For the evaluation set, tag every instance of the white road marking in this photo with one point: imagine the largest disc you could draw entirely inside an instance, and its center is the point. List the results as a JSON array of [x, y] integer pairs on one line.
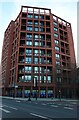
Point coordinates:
[[36, 103], [1, 106], [68, 105], [5, 110], [54, 105], [68, 108], [38, 115], [10, 107], [59, 104], [74, 103], [18, 101], [48, 103], [43, 104]]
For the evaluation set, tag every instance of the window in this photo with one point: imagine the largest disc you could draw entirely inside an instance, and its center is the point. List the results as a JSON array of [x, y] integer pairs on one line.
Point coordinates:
[[21, 79], [41, 60], [45, 78], [28, 77], [55, 29], [35, 60], [41, 44], [29, 22], [49, 79], [36, 36], [29, 28], [28, 35], [55, 35], [57, 48], [36, 29], [28, 59], [41, 29], [36, 77], [41, 23], [35, 52], [42, 52], [57, 63], [42, 37], [59, 79], [58, 71], [55, 23], [35, 22], [30, 16], [28, 69], [28, 51], [29, 43], [36, 43], [56, 42], [35, 69], [42, 78], [41, 17], [57, 56], [36, 16]]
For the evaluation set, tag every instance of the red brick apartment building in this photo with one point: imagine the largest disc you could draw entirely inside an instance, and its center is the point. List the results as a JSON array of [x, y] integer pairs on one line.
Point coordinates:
[[38, 46]]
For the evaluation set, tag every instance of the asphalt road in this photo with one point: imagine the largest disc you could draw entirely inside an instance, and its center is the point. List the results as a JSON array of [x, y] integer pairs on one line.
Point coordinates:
[[38, 110]]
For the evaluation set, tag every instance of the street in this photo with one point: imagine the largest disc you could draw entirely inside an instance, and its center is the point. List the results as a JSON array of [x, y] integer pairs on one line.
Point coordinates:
[[44, 110]]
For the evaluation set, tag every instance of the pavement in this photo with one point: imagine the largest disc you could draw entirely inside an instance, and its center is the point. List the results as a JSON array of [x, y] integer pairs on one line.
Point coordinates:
[[41, 99]]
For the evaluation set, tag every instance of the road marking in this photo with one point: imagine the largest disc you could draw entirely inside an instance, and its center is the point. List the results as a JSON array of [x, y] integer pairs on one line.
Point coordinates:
[[18, 101], [36, 103], [59, 104], [40, 116], [68, 108], [5, 110], [74, 103], [68, 105], [54, 105], [10, 107], [43, 104], [1, 106]]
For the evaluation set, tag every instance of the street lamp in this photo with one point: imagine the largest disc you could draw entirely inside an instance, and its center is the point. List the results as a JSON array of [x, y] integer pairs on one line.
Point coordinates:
[[59, 91], [60, 94]]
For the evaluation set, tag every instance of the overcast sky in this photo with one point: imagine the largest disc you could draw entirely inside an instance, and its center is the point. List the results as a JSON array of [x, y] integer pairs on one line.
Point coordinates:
[[66, 9]]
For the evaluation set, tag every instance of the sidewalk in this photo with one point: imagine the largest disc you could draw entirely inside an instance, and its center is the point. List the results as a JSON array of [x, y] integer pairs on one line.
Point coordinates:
[[41, 99]]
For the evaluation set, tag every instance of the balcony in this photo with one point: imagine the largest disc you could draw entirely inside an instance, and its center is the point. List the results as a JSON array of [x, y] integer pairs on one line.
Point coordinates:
[[21, 80], [22, 42], [21, 61], [21, 70], [36, 54], [23, 27], [21, 53], [29, 71], [49, 72], [28, 54]]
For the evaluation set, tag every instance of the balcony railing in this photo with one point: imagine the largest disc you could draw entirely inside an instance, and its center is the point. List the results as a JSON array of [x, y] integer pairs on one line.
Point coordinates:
[[21, 71]]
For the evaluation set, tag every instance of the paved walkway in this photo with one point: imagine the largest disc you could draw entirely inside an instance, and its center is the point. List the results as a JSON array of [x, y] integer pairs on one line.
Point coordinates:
[[40, 99]]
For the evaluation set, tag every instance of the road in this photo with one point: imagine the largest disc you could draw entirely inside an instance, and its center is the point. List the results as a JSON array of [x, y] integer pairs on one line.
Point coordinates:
[[35, 110]]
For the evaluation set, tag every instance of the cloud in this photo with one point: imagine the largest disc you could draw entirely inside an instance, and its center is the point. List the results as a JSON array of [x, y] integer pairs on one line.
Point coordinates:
[[58, 1]]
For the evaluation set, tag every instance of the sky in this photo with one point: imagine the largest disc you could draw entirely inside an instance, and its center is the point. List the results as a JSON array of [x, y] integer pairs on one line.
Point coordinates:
[[66, 9]]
